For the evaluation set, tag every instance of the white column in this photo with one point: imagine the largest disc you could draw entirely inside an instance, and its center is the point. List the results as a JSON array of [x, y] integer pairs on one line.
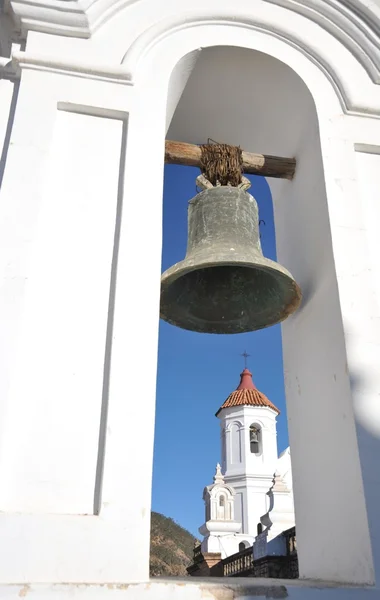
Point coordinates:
[[329, 348], [78, 233]]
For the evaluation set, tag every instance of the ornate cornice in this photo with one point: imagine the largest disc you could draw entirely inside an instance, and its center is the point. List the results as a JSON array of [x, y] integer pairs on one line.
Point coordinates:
[[25, 60], [354, 23], [355, 26], [74, 18], [349, 22]]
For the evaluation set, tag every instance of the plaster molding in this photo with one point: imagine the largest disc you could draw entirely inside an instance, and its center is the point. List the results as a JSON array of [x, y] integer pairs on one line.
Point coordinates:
[[27, 60], [354, 23], [211, 491], [262, 480], [234, 422], [356, 29], [365, 46], [364, 55], [73, 18], [351, 23], [359, 33]]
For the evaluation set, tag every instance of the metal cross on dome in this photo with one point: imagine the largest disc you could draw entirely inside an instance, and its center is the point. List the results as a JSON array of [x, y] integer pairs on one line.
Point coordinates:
[[245, 358]]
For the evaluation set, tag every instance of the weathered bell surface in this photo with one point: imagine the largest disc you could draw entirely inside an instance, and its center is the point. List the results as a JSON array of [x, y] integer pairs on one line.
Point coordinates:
[[225, 284]]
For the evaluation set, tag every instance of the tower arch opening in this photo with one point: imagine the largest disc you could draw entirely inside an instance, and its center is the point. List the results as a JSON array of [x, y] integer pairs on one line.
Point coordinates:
[[255, 439], [267, 107]]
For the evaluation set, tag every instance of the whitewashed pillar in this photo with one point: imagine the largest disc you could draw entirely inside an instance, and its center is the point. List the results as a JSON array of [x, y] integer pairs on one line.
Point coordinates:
[[79, 240]]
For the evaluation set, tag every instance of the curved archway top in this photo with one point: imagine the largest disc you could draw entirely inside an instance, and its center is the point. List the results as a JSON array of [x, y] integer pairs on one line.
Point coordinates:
[[356, 29], [221, 489], [355, 23], [211, 492], [237, 423], [346, 51], [339, 38], [258, 423]]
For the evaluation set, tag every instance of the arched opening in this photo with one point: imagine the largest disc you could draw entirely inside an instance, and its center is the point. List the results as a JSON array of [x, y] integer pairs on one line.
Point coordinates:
[[236, 443], [255, 439], [259, 528], [267, 106], [196, 348], [222, 508], [243, 546]]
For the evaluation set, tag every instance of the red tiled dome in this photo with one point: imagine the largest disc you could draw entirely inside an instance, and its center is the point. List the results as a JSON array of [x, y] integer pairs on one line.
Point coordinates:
[[247, 394]]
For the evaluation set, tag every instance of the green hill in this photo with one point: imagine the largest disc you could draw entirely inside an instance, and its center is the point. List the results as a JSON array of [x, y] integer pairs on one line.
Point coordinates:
[[171, 547]]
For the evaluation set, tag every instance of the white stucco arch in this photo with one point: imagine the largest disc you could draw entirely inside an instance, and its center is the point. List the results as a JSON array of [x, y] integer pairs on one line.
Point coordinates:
[[239, 424], [223, 490], [259, 423], [228, 27], [340, 40], [354, 23], [167, 49]]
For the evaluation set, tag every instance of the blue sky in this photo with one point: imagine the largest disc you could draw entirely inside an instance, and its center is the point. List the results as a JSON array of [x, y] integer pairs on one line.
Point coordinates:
[[196, 372]]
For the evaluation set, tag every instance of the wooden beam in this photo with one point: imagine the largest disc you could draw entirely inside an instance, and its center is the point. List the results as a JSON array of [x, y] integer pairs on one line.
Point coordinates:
[[181, 153]]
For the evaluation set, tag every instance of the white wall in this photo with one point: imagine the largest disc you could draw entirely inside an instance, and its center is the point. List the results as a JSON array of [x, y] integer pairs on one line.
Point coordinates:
[[316, 379], [363, 331], [66, 305], [284, 467], [317, 382], [59, 248]]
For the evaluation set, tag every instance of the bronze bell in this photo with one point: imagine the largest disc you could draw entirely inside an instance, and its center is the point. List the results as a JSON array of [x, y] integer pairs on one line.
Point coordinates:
[[225, 284]]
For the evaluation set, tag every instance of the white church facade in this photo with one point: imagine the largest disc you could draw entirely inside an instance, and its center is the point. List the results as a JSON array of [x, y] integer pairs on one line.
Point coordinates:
[[253, 489]]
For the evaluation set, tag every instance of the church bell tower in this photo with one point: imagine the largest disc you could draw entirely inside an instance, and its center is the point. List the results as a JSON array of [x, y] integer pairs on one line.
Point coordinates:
[[249, 450]]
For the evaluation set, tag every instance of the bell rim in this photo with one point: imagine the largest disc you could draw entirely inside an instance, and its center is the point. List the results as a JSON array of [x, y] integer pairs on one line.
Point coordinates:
[[183, 267], [176, 271]]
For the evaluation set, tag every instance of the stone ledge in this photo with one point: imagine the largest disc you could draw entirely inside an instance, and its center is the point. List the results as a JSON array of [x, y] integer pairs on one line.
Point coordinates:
[[190, 589]]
